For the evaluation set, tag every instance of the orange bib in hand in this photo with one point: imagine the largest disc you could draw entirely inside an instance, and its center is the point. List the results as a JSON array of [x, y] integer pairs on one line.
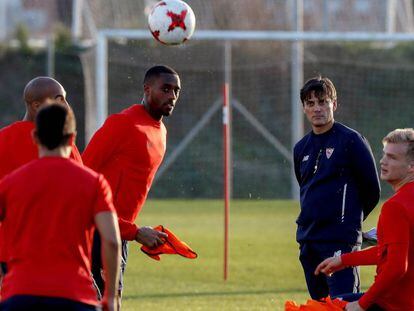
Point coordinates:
[[172, 245], [326, 304]]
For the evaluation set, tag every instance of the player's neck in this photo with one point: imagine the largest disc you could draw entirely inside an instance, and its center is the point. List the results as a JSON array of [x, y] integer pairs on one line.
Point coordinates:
[[28, 117], [62, 152], [402, 182], [147, 107], [323, 129]]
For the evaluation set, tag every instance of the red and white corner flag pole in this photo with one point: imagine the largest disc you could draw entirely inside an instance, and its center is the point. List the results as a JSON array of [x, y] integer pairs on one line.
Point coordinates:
[[227, 173]]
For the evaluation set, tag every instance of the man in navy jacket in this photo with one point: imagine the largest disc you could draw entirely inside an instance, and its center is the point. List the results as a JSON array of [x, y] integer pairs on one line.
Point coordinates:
[[339, 187]]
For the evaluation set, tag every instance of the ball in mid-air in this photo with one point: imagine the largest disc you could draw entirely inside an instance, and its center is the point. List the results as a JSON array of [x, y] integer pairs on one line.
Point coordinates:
[[171, 22]]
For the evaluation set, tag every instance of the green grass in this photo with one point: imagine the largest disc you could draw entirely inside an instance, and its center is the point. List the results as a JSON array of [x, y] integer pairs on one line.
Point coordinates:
[[264, 270]]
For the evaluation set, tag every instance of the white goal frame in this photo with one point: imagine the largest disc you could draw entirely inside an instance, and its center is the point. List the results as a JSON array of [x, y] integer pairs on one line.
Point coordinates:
[[95, 117]]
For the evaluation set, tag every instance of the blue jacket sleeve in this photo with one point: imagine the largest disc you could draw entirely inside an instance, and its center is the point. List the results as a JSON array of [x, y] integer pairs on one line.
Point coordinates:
[[365, 170]]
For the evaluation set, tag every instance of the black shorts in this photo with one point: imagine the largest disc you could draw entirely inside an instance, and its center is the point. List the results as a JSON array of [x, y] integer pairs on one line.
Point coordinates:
[[35, 303], [97, 266]]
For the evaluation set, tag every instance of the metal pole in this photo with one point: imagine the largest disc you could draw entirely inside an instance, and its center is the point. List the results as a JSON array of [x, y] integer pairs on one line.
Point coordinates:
[[51, 56], [3, 20], [326, 15], [296, 82], [76, 28], [227, 151], [390, 16], [101, 80]]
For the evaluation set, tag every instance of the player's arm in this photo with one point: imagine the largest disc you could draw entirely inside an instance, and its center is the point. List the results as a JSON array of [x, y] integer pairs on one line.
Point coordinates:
[[296, 163], [128, 229], [365, 257], [105, 142], [5, 158], [145, 235], [106, 223], [396, 235], [365, 170]]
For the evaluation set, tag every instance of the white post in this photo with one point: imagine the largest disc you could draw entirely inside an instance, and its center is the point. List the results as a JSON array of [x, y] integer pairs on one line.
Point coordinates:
[[3, 20], [390, 16], [76, 19], [228, 82], [326, 15], [101, 80], [297, 81], [51, 56]]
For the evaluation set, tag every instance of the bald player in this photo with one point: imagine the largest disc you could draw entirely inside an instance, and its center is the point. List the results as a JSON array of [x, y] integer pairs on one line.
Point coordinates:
[[16, 144]]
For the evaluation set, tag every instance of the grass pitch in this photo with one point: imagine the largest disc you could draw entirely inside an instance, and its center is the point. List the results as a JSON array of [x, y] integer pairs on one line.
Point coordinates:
[[264, 270]]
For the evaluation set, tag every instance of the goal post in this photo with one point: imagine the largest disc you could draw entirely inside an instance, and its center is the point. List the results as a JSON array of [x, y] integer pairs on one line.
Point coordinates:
[[95, 120], [96, 116]]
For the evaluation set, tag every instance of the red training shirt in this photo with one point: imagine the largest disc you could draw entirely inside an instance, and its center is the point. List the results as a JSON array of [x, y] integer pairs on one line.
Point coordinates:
[[393, 288], [127, 150], [18, 148], [47, 210]]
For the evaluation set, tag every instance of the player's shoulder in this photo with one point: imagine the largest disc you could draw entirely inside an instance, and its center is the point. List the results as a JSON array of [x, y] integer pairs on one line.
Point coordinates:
[[300, 144], [125, 117], [16, 127], [404, 196], [342, 129]]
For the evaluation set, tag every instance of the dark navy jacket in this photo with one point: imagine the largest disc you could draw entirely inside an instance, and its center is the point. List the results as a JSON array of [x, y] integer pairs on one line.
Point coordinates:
[[338, 182]]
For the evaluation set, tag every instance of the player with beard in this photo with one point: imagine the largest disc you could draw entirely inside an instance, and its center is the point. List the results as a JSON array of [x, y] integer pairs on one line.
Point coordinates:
[[127, 150]]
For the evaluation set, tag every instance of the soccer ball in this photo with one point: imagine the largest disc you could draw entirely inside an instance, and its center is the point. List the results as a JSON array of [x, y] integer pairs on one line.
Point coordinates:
[[171, 22]]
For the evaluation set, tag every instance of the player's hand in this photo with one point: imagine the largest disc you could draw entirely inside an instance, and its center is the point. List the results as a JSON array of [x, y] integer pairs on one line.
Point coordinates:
[[150, 237], [330, 265], [353, 306], [110, 304]]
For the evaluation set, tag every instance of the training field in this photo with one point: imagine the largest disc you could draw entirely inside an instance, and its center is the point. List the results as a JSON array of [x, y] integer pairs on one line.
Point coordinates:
[[264, 269]]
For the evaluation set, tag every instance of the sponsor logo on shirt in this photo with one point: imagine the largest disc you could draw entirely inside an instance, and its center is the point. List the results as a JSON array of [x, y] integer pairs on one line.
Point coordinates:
[[305, 158], [329, 152]]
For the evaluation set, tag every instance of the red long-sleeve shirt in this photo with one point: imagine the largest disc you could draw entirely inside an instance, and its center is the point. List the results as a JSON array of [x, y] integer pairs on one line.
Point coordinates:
[[393, 287], [128, 150]]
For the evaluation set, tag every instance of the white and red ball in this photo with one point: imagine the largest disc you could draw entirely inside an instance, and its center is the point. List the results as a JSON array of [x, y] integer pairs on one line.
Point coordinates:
[[171, 22]]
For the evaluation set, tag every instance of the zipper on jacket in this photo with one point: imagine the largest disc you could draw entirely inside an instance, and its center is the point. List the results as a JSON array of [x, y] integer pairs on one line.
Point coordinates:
[[343, 203]]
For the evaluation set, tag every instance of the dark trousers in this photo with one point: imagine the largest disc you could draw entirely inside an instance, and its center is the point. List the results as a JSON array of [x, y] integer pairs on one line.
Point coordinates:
[[321, 286], [97, 266], [355, 297], [36, 303]]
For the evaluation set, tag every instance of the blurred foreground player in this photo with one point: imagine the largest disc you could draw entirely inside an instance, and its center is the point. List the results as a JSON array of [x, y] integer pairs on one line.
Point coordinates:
[[393, 288], [128, 150], [49, 209]]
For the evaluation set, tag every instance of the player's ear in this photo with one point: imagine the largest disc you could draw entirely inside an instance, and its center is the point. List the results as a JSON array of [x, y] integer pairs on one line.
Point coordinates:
[[147, 89], [35, 105], [335, 105]]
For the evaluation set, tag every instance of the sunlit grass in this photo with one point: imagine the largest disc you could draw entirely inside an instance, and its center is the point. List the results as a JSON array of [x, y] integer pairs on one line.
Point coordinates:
[[264, 270]]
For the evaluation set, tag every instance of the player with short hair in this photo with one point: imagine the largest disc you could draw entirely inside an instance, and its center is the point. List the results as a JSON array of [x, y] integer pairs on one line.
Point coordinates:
[[339, 187], [49, 209], [128, 150], [393, 287]]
